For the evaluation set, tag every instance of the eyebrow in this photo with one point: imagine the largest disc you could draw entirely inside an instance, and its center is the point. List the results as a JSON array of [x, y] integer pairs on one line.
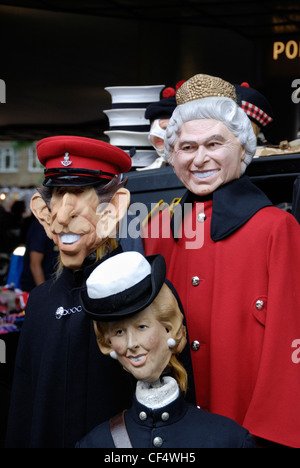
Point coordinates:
[[216, 136]]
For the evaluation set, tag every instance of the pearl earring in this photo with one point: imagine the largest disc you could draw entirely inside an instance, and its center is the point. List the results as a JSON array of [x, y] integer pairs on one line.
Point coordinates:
[[113, 355], [171, 343]]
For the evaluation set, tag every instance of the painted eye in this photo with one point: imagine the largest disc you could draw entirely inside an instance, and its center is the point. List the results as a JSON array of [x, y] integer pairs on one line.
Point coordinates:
[[214, 144]]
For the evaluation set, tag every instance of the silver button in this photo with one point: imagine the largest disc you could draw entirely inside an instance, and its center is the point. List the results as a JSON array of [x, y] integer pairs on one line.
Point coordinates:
[[195, 345], [143, 416], [259, 305], [165, 416], [195, 281], [201, 217], [157, 442]]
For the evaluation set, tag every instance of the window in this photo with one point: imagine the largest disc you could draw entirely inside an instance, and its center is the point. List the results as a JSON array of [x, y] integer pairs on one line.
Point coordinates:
[[8, 160], [34, 164]]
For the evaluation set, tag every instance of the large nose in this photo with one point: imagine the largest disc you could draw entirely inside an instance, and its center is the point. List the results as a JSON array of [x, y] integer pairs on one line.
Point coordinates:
[[66, 210], [132, 340], [201, 156]]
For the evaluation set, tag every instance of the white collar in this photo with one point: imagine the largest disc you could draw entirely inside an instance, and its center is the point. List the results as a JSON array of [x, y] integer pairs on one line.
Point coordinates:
[[158, 394]]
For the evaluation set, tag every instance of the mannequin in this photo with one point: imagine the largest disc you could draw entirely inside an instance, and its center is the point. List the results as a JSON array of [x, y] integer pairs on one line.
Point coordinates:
[[138, 321]]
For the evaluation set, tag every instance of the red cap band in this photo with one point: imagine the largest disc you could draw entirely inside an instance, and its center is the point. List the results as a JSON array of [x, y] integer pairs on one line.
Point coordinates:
[[72, 152]]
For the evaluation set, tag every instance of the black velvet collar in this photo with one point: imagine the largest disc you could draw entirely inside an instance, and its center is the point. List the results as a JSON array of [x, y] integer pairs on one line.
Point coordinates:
[[233, 205]]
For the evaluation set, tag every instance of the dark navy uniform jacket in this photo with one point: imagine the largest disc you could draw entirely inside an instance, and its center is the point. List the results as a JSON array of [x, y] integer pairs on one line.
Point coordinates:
[[63, 385], [178, 425]]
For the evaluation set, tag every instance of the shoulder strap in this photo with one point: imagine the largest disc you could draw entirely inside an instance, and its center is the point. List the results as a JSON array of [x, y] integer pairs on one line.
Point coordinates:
[[119, 432], [161, 206]]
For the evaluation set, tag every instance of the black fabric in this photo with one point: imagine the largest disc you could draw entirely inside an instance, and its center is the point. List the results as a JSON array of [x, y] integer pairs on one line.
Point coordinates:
[[251, 95], [187, 427], [63, 385], [162, 109], [233, 205], [296, 199]]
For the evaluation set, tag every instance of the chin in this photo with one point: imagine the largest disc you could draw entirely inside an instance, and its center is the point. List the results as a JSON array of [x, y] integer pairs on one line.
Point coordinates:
[[72, 263], [202, 191]]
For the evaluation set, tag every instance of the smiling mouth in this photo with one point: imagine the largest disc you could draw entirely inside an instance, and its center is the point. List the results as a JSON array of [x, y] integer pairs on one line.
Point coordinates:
[[205, 174], [137, 360], [69, 239]]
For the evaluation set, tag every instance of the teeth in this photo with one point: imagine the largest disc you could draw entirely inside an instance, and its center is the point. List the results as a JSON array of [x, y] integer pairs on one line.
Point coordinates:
[[137, 359], [69, 238], [204, 175]]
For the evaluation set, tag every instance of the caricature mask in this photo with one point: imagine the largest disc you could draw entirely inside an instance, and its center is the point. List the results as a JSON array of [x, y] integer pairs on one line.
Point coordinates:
[[137, 317], [201, 99], [80, 208], [157, 135]]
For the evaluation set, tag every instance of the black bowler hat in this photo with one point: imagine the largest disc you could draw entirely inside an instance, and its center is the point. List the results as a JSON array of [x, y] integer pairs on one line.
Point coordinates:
[[123, 285]]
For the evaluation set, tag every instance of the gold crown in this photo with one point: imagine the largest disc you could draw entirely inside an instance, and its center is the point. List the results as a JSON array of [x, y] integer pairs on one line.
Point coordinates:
[[202, 86]]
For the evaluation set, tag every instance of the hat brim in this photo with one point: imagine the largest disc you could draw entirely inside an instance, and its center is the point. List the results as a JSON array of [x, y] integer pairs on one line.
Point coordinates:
[[74, 181], [130, 301]]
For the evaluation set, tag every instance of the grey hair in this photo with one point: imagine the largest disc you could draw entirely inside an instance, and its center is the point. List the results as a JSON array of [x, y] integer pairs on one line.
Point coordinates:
[[222, 109]]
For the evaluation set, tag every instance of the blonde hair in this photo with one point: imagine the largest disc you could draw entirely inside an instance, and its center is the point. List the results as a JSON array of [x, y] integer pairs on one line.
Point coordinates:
[[167, 312]]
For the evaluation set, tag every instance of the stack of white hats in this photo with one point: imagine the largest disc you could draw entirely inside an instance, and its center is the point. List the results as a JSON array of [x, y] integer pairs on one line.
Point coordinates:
[[128, 128]]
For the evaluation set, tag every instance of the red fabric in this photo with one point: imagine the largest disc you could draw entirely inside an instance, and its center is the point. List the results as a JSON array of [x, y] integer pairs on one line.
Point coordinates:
[[84, 153], [244, 367]]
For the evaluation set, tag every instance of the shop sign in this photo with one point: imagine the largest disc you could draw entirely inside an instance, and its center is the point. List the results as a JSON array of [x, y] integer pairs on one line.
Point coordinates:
[[289, 49]]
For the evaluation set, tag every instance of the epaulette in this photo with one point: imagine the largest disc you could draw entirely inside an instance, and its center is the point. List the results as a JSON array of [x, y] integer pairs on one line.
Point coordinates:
[[161, 206], [173, 204]]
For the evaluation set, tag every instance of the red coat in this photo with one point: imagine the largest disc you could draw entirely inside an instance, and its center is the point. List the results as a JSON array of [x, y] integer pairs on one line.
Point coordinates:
[[241, 297]]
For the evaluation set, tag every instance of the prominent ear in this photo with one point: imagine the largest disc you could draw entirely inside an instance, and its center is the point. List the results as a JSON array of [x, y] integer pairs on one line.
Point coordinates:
[[104, 346], [110, 214], [41, 212]]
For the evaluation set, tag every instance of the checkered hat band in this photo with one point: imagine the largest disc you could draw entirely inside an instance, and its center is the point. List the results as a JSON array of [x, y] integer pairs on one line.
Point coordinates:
[[256, 113]]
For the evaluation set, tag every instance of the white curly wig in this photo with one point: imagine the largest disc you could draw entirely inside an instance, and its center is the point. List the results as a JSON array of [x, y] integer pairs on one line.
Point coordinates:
[[217, 108]]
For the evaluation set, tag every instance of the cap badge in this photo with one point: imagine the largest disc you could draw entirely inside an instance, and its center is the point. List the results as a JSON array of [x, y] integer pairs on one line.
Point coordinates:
[[66, 162]]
